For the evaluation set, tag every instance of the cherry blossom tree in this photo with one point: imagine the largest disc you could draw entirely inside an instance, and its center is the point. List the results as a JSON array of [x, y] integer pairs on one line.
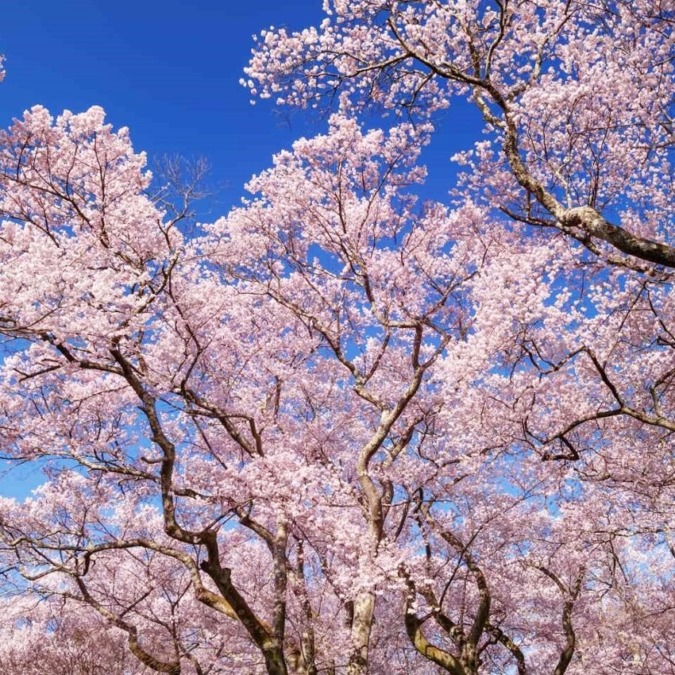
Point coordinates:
[[44, 636], [576, 97], [343, 429]]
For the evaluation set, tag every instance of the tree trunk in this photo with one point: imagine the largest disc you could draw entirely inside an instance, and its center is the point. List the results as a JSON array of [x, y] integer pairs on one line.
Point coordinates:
[[364, 608]]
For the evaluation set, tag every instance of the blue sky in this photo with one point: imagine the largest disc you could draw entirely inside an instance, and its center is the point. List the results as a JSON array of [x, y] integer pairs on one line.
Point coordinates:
[[170, 72]]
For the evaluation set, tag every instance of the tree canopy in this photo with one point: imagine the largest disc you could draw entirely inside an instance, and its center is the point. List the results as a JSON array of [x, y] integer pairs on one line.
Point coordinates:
[[345, 429]]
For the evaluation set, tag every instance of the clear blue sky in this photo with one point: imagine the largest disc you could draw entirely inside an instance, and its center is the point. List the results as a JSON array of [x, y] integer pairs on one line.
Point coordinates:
[[170, 72]]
